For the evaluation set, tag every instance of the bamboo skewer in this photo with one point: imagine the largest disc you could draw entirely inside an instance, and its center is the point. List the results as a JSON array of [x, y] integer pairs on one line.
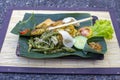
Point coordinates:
[[78, 21]]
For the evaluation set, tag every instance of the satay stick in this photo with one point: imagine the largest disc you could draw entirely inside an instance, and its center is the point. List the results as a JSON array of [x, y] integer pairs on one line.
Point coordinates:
[[78, 21]]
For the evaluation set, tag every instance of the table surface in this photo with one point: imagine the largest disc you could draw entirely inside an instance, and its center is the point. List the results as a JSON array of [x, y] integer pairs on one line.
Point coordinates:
[[4, 5]]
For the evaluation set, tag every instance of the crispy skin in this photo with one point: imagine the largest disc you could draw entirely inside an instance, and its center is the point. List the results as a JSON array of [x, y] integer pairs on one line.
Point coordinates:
[[56, 23], [37, 31], [45, 23]]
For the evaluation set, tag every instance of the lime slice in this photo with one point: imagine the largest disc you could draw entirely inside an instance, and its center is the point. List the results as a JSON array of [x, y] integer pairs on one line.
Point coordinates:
[[80, 42]]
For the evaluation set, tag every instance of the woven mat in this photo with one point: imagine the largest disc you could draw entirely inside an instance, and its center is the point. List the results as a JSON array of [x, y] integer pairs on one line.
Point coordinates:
[[9, 57]]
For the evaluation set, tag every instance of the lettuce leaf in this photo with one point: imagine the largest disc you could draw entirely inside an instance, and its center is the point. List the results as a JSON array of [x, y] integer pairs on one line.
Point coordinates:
[[102, 28]]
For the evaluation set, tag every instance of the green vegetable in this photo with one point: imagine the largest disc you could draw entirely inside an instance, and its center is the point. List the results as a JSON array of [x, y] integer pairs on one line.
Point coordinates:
[[43, 43], [80, 42], [102, 28], [68, 49]]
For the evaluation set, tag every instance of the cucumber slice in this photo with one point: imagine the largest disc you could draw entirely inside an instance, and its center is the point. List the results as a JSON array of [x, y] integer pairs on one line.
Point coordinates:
[[80, 42]]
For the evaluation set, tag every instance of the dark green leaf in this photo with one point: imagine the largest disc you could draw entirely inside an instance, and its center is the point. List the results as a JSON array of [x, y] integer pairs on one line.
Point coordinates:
[[99, 40], [30, 20]]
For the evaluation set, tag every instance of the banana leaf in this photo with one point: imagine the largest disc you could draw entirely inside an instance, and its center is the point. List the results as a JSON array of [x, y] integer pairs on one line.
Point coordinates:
[[23, 51], [21, 25], [99, 40], [31, 20]]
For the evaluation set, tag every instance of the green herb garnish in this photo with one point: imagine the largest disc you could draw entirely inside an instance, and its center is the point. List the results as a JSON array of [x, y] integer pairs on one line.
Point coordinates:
[[102, 28]]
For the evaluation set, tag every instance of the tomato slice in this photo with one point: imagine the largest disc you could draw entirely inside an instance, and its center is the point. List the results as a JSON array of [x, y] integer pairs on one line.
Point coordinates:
[[25, 31]]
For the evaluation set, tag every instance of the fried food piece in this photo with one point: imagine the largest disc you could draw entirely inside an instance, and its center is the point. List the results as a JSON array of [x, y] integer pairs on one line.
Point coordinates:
[[56, 23], [41, 28], [45, 23], [96, 46], [37, 31], [71, 30]]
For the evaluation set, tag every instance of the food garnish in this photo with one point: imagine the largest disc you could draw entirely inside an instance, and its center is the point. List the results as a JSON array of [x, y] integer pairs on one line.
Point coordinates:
[[80, 42], [25, 32], [102, 28]]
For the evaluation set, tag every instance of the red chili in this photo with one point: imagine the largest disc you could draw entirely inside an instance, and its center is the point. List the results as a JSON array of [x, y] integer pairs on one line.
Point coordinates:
[[25, 31]]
